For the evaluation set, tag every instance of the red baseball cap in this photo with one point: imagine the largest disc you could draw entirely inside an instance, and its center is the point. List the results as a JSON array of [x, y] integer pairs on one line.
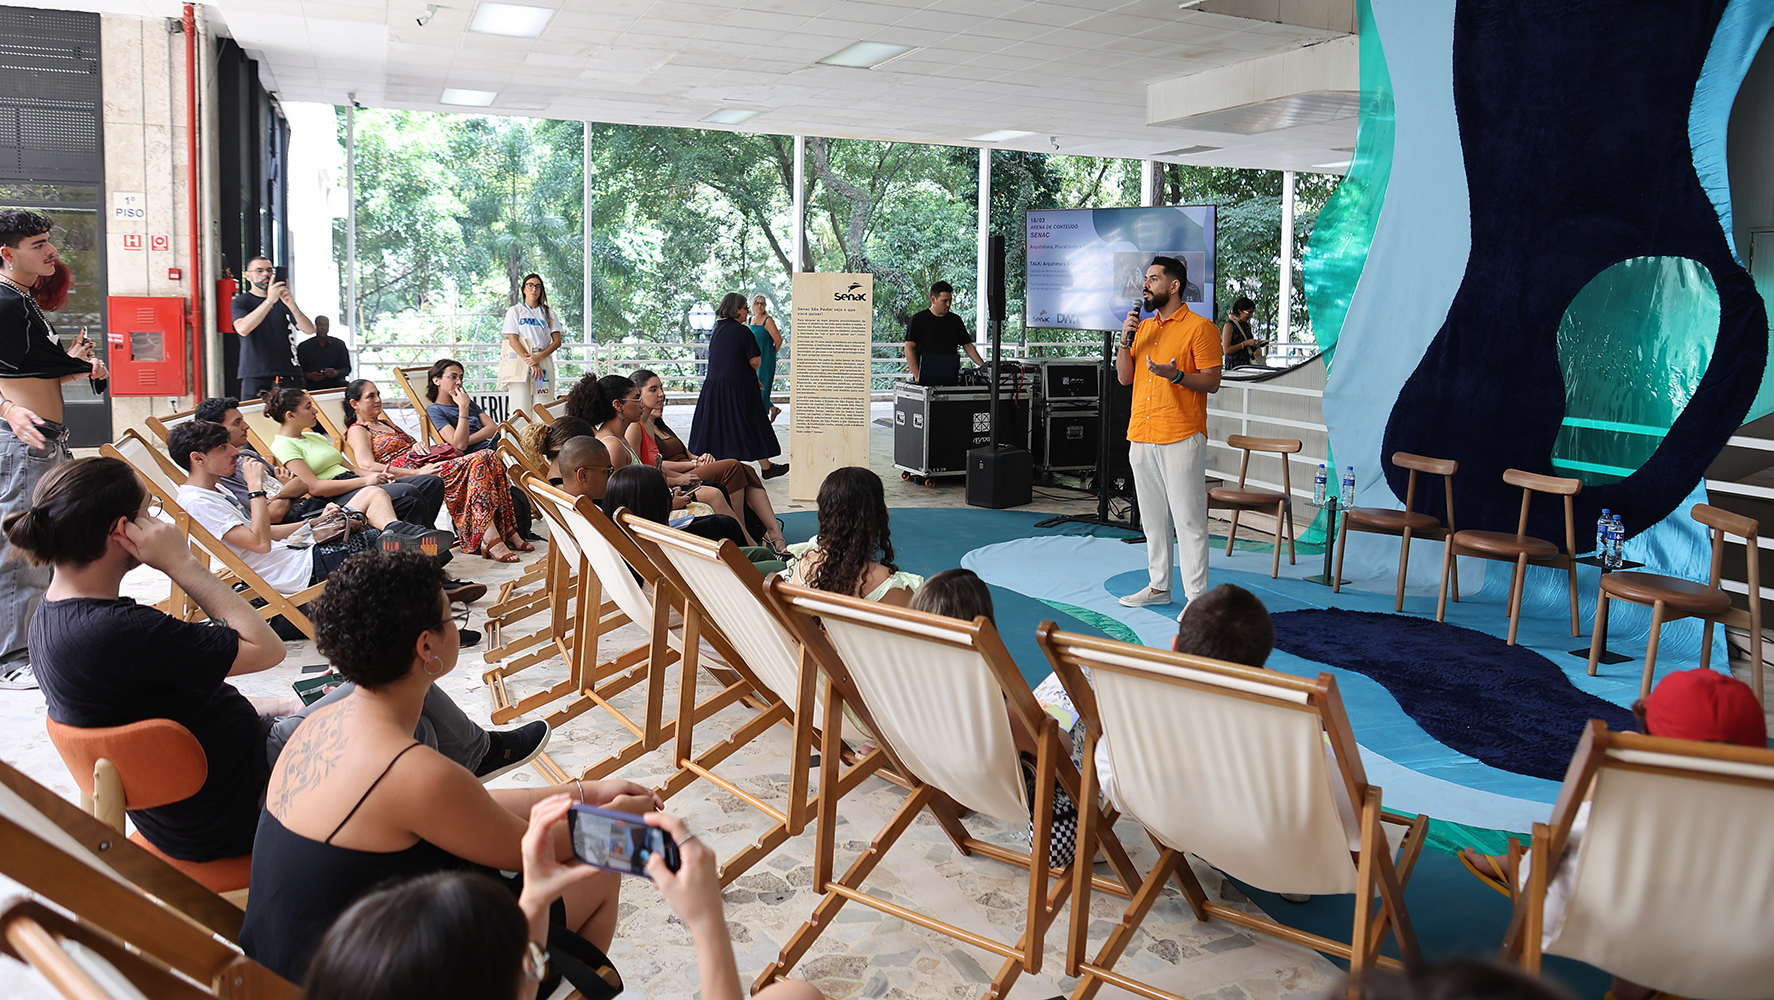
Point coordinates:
[[1704, 704]]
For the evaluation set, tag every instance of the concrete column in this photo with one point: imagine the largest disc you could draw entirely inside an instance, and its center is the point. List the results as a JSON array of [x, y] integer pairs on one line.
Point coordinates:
[[351, 308], [585, 334], [981, 314], [1149, 193], [798, 255], [1284, 315]]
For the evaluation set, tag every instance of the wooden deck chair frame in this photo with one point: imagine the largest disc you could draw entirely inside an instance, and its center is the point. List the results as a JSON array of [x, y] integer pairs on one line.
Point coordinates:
[[792, 700], [1719, 523], [329, 406], [403, 377], [552, 587], [1226, 498], [1376, 872], [261, 430], [162, 427], [516, 465], [163, 478], [1599, 751], [1530, 483], [1396, 522], [809, 613], [80, 864], [549, 411]]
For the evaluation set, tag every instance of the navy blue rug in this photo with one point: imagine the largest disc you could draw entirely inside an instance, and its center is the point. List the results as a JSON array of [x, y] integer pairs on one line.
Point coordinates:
[[1507, 706]]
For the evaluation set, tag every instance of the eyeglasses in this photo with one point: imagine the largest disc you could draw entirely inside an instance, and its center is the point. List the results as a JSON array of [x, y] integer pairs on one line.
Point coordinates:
[[459, 616], [154, 507]]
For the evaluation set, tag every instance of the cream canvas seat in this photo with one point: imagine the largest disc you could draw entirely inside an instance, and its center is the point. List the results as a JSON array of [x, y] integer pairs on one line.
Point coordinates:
[[412, 383], [552, 410], [1668, 884], [163, 479], [136, 915], [939, 694], [719, 585], [1252, 771]]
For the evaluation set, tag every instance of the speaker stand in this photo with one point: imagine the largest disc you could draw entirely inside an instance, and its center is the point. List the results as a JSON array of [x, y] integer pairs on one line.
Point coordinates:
[[1102, 517]]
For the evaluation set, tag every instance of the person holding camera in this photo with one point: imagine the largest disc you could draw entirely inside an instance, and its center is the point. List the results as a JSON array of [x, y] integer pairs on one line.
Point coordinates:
[[266, 317]]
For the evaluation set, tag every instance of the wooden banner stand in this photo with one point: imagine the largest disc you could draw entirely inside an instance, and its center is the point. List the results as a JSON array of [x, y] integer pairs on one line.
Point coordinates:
[[832, 329]]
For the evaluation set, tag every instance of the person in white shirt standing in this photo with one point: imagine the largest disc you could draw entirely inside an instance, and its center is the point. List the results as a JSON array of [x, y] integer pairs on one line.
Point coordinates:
[[532, 335]]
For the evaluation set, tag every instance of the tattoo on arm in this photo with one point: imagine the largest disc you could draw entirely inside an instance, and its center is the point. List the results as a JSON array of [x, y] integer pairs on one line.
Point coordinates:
[[318, 747]]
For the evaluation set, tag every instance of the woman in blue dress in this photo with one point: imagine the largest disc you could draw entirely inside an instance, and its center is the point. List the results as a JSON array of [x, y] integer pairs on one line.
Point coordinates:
[[769, 338], [730, 420]]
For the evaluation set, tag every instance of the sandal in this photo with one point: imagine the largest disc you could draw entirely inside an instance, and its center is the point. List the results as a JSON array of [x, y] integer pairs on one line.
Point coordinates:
[[515, 542], [778, 545], [492, 552], [1494, 881]]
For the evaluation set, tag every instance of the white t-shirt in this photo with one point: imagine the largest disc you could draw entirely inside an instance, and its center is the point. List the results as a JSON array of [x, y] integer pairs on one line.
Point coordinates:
[[287, 570], [535, 326]]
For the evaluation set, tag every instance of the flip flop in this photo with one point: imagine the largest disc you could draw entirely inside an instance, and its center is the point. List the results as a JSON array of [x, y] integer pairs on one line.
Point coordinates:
[[1490, 880]]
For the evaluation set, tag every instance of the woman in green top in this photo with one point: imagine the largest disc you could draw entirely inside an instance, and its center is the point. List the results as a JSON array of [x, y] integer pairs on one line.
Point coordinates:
[[769, 342], [310, 456]]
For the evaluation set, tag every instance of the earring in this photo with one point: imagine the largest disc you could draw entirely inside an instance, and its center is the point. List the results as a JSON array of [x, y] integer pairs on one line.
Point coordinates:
[[439, 661]]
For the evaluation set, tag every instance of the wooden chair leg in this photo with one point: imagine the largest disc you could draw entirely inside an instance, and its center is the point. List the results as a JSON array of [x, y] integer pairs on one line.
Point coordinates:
[[1455, 581], [1275, 562], [1288, 506], [1517, 584], [1232, 533], [1706, 646], [1337, 572], [1404, 562], [1598, 629], [1644, 688], [1571, 572], [1447, 559]]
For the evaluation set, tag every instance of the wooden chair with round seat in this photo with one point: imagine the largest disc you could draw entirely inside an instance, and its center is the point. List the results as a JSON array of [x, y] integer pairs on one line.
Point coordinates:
[[1519, 548], [1242, 498], [145, 764], [1671, 598], [1408, 523]]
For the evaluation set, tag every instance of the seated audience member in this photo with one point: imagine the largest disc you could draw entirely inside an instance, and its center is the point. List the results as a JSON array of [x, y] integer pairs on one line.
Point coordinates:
[[642, 489], [541, 443], [92, 520], [355, 801], [459, 420], [475, 486], [852, 532], [1701, 705], [310, 456], [960, 593], [290, 501], [612, 407], [1229, 624], [203, 451], [585, 467], [462, 934]]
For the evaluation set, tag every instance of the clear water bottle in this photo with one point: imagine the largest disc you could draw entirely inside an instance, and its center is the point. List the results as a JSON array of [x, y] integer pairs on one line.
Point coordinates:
[[1617, 544], [542, 383], [1318, 484], [1604, 529], [1348, 493]]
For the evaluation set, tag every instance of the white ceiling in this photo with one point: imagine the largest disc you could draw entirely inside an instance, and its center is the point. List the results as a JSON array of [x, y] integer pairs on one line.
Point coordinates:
[[1074, 72]]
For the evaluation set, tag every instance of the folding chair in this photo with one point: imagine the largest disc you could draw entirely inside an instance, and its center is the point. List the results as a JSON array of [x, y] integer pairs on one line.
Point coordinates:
[[1671, 597], [416, 398], [145, 764], [1520, 548], [514, 603], [719, 585], [329, 406], [163, 479], [1668, 885], [127, 902], [1242, 498], [1408, 523], [261, 430], [1252, 771], [162, 426], [935, 692], [550, 411]]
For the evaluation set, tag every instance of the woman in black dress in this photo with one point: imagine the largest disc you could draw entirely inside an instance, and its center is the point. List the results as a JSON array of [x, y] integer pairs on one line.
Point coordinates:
[[730, 420]]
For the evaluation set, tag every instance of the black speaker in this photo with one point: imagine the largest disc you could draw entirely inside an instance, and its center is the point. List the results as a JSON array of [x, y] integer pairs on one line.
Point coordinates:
[[1116, 405], [1000, 477], [995, 278]]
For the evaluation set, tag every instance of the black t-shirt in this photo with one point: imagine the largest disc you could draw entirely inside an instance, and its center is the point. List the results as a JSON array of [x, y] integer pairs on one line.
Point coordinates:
[[28, 347], [110, 663], [318, 355], [937, 335], [271, 348]]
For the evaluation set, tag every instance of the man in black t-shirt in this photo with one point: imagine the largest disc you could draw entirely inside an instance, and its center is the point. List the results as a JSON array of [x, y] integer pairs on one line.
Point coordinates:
[[264, 313], [325, 361], [933, 339]]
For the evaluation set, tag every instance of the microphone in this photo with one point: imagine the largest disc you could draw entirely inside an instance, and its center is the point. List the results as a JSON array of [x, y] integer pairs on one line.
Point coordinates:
[[1139, 306]]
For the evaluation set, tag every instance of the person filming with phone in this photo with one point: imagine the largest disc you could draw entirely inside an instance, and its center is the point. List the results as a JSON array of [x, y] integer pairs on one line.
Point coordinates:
[[266, 317], [1173, 361]]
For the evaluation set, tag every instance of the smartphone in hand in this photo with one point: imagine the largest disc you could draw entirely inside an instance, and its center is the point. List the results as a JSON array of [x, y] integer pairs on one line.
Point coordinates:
[[280, 273], [617, 841]]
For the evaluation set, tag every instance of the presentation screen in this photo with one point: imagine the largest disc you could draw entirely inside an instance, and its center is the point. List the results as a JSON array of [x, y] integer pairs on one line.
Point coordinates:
[[1086, 266]]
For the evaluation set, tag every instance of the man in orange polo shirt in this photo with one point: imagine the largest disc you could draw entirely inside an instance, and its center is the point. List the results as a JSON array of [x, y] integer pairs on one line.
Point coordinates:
[[1173, 361]]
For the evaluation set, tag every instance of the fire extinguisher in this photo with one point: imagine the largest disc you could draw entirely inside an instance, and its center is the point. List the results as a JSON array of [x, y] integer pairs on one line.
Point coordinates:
[[226, 289]]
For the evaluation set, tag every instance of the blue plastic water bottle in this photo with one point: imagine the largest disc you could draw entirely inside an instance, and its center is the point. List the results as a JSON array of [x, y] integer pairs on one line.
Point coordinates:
[[1348, 494], [1604, 527], [1318, 486]]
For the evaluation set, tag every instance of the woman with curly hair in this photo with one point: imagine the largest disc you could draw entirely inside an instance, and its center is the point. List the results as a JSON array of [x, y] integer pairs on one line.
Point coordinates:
[[354, 801], [665, 451], [475, 486], [542, 443], [853, 552]]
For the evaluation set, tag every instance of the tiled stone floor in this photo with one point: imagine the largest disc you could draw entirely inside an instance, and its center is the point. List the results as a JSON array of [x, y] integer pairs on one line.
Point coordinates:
[[865, 953]]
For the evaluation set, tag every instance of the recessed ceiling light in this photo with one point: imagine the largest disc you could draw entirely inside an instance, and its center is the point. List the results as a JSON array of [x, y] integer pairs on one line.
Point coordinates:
[[728, 116], [1332, 166], [866, 55], [468, 98], [1001, 135], [516, 19]]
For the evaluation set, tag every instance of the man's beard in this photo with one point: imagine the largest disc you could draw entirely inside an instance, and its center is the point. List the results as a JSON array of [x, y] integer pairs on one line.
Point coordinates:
[[262, 286]]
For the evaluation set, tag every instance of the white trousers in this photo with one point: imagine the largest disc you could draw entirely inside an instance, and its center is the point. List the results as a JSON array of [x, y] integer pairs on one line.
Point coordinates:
[[1170, 481]]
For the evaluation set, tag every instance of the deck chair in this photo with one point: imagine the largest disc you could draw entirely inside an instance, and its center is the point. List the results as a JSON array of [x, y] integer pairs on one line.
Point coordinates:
[[261, 430], [516, 466], [934, 691], [1667, 887], [145, 764], [549, 411], [125, 898], [1252, 771], [163, 479], [412, 383], [162, 426], [329, 406], [719, 585]]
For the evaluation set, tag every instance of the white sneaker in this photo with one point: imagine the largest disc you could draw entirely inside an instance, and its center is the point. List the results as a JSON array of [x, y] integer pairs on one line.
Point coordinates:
[[1146, 597], [18, 677]]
